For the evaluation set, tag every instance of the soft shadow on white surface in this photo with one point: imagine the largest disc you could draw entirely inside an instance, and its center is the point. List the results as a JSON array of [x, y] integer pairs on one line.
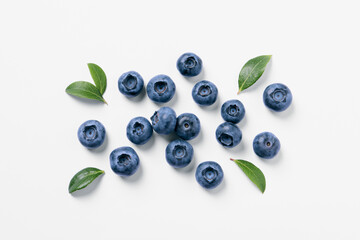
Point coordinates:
[[189, 168], [197, 78], [171, 103], [218, 189], [89, 189], [135, 177], [198, 139], [103, 147], [214, 107], [139, 97], [274, 161], [149, 144], [243, 122], [169, 138], [285, 114], [237, 149]]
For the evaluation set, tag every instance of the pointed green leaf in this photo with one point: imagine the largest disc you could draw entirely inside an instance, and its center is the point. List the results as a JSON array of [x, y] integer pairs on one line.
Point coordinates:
[[84, 178], [84, 90], [252, 71], [98, 76], [254, 173]]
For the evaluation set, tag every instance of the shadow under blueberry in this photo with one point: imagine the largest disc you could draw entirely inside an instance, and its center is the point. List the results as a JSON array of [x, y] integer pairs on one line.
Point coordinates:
[[139, 97], [197, 78], [240, 148], [213, 107], [103, 147], [170, 137], [218, 189], [273, 161], [198, 138], [89, 189], [135, 177], [170, 103], [242, 123], [149, 144], [284, 114], [189, 168]]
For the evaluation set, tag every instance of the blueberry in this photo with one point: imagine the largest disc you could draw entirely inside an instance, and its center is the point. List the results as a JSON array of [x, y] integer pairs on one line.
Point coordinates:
[[277, 97], [232, 111], [266, 145], [189, 65], [164, 120], [139, 130], [91, 134], [130, 84], [204, 93], [228, 135], [124, 161], [161, 89], [179, 153], [187, 126], [209, 174]]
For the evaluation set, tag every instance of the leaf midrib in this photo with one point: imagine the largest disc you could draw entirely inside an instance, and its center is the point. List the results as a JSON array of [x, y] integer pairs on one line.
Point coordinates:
[[250, 74]]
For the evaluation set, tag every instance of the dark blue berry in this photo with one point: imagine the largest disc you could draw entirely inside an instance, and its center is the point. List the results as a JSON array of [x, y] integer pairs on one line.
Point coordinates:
[[209, 174], [124, 161], [266, 145], [91, 134], [179, 153]]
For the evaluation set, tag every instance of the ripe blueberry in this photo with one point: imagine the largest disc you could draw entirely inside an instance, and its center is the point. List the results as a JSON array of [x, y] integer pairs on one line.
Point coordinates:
[[204, 93], [124, 161], [161, 89], [164, 120], [228, 135], [91, 134], [187, 126], [130, 84], [266, 145], [277, 97], [209, 174], [232, 111], [189, 65], [139, 130], [179, 153]]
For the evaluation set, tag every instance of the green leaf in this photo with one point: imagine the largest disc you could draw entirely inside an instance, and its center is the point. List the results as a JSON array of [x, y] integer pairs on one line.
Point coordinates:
[[254, 173], [84, 178], [98, 76], [85, 90], [252, 71]]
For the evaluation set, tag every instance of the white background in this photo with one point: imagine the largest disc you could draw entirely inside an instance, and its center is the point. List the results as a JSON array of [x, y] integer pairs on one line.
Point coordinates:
[[312, 185]]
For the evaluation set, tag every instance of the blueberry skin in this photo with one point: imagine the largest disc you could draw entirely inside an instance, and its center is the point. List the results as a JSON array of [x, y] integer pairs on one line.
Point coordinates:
[[179, 153], [130, 84], [163, 120], [277, 97], [124, 161], [228, 135], [266, 145], [204, 93], [139, 130], [189, 64], [161, 89], [233, 111], [187, 126], [209, 174], [91, 134]]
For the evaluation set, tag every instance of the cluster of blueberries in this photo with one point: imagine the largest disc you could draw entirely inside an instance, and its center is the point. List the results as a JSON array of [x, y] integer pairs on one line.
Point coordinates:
[[124, 161]]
